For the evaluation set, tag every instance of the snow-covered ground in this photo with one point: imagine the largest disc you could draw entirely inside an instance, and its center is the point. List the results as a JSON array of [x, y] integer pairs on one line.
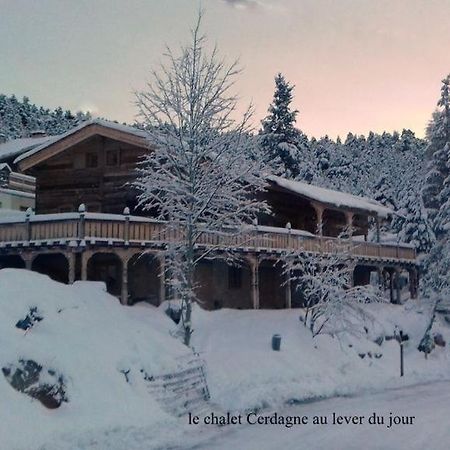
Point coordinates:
[[429, 404], [87, 336], [245, 373], [92, 340]]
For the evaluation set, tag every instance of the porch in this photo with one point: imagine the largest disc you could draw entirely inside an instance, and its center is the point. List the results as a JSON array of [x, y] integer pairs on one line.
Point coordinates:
[[121, 250]]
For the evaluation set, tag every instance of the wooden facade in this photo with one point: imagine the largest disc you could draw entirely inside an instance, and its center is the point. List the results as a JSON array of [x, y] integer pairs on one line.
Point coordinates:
[[94, 167], [102, 241]]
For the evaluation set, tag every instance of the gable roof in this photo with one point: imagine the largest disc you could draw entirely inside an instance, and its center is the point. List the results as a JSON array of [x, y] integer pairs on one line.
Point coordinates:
[[54, 145], [15, 147], [4, 166], [331, 198]]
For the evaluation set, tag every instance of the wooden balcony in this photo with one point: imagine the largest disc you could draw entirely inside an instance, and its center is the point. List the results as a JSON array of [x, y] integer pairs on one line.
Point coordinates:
[[81, 229]]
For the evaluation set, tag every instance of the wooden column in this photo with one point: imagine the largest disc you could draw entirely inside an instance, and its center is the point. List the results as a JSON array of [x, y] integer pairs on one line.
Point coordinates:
[[377, 224], [391, 285], [351, 269], [319, 213], [71, 261], [349, 223], [413, 282], [124, 294], [380, 278], [397, 286], [288, 291], [162, 278], [28, 259], [254, 267], [84, 262]]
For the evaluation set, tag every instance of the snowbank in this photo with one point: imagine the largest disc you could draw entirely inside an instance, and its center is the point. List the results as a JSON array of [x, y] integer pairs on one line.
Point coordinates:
[[245, 373], [93, 341], [90, 338]]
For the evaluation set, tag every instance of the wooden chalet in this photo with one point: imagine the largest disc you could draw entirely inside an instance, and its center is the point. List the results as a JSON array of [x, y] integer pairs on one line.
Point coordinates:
[[109, 239]]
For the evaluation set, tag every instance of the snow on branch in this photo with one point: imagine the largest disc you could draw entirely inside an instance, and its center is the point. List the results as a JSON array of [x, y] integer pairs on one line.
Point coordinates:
[[201, 173], [331, 303]]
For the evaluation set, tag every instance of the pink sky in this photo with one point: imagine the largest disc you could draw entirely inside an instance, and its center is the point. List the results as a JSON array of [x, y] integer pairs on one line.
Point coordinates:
[[358, 65]]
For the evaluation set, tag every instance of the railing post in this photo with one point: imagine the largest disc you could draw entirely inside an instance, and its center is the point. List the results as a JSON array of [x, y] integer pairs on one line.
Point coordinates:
[[255, 224], [28, 223], [81, 228], [289, 228], [126, 230]]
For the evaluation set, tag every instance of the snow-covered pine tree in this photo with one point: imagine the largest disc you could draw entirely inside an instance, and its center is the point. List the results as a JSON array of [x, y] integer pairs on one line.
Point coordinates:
[[413, 223], [438, 150], [278, 134], [200, 173], [19, 118]]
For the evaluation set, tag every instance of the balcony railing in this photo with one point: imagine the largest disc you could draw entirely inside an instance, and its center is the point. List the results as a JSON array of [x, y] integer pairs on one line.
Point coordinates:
[[74, 228]]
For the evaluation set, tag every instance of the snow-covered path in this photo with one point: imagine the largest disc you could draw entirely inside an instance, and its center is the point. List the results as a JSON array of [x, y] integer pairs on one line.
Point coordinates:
[[430, 404]]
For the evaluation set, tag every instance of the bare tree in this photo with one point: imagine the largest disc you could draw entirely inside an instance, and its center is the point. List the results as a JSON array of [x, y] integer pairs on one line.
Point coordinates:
[[201, 173], [331, 303]]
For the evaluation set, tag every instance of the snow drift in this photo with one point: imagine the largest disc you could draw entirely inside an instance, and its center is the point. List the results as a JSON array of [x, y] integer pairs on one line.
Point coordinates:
[[89, 338], [101, 349]]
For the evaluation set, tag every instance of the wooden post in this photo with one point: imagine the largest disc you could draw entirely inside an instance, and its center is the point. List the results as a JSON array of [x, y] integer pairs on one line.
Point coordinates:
[[124, 294], [416, 284], [84, 263], [71, 261], [254, 266], [397, 286], [28, 223], [349, 223], [289, 239], [162, 275], [81, 231], [380, 277], [126, 229], [319, 213], [391, 285], [288, 291], [28, 259], [377, 223]]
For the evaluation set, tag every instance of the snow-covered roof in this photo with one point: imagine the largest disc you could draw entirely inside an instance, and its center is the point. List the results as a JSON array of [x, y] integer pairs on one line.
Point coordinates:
[[330, 197], [16, 147], [5, 166], [17, 193], [101, 122]]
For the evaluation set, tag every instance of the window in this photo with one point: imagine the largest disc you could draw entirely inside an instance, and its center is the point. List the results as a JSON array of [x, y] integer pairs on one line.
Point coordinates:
[[234, 277], [91, 160], [78, 161], [112, 158]]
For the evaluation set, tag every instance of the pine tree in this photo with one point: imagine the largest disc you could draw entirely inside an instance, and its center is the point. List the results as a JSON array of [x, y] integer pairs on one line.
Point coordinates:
[[438, 135], [279, 137], [19, 118], [415, 227]]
